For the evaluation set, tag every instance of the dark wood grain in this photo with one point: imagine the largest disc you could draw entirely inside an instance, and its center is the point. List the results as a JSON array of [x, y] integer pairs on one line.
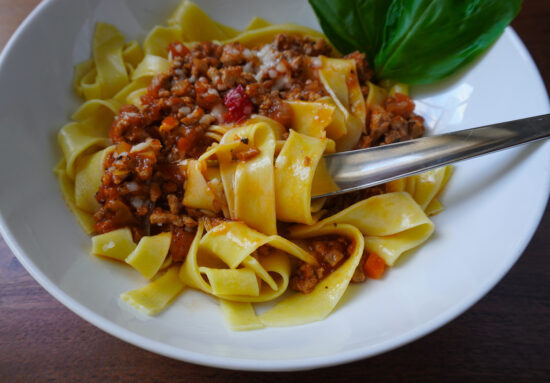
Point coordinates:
[[504, 337]]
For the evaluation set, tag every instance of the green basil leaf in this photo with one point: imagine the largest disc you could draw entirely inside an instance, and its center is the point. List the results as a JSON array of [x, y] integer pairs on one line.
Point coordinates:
[[426, 40], [353, 24]]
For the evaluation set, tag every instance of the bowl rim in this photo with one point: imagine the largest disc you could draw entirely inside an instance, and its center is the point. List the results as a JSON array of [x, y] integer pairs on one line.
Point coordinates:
[[250, 364]]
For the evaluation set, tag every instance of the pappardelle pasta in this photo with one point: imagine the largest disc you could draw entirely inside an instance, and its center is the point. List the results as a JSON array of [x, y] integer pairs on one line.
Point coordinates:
[[195, 156]]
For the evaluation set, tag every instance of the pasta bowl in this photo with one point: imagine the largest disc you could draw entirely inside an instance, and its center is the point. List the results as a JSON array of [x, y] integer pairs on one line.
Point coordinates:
[[493, 204]]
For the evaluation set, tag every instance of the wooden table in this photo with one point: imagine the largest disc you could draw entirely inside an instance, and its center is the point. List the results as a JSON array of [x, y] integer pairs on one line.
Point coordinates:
[[504, 337]]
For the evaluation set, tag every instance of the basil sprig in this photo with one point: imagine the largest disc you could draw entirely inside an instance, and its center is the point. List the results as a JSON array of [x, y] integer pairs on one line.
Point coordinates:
[[415, 41]]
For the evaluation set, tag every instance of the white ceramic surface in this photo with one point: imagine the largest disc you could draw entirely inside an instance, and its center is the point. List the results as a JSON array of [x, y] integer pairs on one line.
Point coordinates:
[[494, 203]]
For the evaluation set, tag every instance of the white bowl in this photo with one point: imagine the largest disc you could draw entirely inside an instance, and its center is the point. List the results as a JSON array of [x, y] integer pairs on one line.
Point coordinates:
[[494, 203]]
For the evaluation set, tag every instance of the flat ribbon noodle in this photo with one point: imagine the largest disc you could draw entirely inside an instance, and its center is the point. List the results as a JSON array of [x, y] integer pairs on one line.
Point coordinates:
[[84, 78], [89, 170], [233, 246], [240, 316], [257, 23], [339, 76], [265, 35], [150, 254], [88, 133], [305, 308], [146, 70], [157, 41], [425, 188], [66, 186], [132, 55], [151, 66], [312, 119], [116, 244], [198, 192], [106, 74], [157, 295], [196, 25], [294, 172], [391, 223], [253, 177]]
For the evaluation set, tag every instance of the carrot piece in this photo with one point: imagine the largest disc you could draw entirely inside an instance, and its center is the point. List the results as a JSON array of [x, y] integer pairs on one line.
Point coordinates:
[[374, 266], [168, 123]]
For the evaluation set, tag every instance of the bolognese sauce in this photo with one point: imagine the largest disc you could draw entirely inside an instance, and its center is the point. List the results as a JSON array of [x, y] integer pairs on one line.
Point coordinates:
[[212, 84]]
